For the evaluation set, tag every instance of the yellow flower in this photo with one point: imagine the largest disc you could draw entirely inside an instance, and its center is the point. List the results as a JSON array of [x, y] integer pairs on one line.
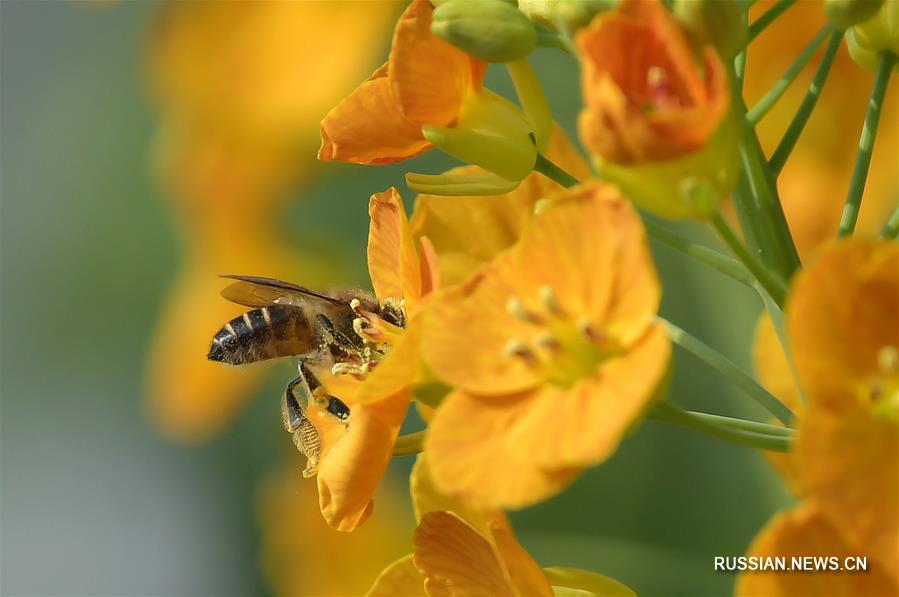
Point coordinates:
[[843, 326], [238, 111], [560, 355], [352, 465], [302, 555], [499, 220], [460, 550]]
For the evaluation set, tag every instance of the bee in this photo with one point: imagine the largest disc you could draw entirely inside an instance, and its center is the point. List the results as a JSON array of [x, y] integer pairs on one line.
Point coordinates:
[[318, 329]]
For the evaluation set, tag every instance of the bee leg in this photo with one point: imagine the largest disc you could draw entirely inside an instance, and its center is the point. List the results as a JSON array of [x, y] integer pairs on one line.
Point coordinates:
[[332, 404], [334, 338], [305, 436]]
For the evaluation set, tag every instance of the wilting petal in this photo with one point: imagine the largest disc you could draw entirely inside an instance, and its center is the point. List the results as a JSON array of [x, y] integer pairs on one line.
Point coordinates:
[[392, 259], [843, 311], [400, 578], [583, 425], [429, 77], [806, 532], [455, 559], [471, 458], [850, 468], [776, 375], [348, 476], [368, 128]]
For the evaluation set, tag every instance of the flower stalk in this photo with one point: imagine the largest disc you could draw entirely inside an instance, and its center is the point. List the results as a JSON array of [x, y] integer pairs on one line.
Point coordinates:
[[737, 431]]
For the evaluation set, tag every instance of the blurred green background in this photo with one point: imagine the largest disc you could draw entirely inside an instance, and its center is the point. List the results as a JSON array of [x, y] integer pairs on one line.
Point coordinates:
[[94, 502]]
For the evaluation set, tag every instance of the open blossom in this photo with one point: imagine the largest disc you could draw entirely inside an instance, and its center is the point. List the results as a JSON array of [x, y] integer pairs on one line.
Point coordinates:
[[843, 326], [560, 357], [645, 96], [353, 457], [460, 550]]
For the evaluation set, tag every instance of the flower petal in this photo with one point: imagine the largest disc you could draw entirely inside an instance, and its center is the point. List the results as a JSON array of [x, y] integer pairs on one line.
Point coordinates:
[[427, 498], [392, 259], [428, 77], [850, 467], [843, 310], [367, 127], [400, 578], [587, 421], [470, 456], [806, 532], [351, 471], [521, 571], [455, 559], [398, 370]]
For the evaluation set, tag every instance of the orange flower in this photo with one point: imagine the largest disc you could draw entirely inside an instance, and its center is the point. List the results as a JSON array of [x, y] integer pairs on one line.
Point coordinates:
[[644, 95], [424, 82], [351, 465], [463, 551], [302, 555], [561, 353], [843, 325]]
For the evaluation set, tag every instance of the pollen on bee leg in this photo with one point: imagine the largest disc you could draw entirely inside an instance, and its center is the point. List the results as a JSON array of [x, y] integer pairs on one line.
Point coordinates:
[[517, 348], [516, 309], [350, 369], [549, 300], [594, 335]]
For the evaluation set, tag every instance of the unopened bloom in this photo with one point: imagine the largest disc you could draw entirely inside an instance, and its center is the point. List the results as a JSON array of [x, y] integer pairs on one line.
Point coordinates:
[[877, 34], [559, 357], [843, 327], [655, 120], [460, 550], [429, 93], [351, 465]]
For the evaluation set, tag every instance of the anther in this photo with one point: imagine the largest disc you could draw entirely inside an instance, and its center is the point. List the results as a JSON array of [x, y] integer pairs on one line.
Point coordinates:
[[516, 309], [888, 360], [594, 335], [517, 348], [548, 342], [549, 300], [356, 305]]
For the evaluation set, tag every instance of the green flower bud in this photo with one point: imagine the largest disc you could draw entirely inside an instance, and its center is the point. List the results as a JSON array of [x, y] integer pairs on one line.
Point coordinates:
[[878, 34], [690, 186], [846, 13], [721, 23], [573, 14], [490, 30]]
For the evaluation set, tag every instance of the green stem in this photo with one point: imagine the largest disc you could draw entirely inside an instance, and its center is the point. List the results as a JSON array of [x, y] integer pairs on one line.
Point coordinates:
[[409, 444], [738, 431], [548, 169], [725, 367], [770, 98], [757, 203], [726, 265], [551, 39], [740, 67], [891, 230], [866, 144], [794, 130], [769, 17], [772, 284]]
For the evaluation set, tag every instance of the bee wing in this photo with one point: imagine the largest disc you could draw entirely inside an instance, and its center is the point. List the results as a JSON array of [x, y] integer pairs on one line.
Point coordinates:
[[255, 291]]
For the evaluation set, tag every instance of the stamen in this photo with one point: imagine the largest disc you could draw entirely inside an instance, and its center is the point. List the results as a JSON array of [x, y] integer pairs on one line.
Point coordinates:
[[594, 335], [516, 309], [888, 360], [549, 300], [517, 348], [548, 342], [354, 369]]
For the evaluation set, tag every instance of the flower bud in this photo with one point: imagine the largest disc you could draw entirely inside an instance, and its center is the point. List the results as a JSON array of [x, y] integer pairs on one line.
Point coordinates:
[[721, 23], [690, 186], [878, 34], [573, 14], [490, 30], [846, 13]]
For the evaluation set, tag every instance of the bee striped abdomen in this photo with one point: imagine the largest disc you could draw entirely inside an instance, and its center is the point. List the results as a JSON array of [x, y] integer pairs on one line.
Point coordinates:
[[261, 334]]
